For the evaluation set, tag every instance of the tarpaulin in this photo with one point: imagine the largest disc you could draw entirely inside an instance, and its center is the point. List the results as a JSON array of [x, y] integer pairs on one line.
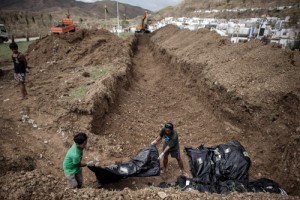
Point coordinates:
[[228, 186], [222, 169], [222, 162], [145, 163]]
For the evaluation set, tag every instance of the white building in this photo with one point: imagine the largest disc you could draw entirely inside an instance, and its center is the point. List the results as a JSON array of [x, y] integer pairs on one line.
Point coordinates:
[[239, 30]]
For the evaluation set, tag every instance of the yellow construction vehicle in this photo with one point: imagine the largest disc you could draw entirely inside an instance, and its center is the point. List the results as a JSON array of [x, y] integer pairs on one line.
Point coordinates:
[[143, 26]]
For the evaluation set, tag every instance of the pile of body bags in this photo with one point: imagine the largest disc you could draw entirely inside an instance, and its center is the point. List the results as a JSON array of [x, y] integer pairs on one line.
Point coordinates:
[[144, 164], [222, 169]]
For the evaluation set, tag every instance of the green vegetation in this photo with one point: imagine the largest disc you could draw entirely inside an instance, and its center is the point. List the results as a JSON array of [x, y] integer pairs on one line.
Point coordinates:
[[5, 52], [125, 35], [98, 72], [79, 92], [125, 23], [95, 73]]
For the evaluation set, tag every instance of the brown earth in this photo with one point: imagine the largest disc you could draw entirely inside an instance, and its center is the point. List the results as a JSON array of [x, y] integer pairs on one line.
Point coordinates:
[[187, 8], [121, 92]]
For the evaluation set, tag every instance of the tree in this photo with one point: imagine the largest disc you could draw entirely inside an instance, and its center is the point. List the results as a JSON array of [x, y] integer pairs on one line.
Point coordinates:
[[16, 17], [68, 14], [42, 17], [27, 25], [50, 18], [209, 6], [124, 23], [26, 20], [3, 20]]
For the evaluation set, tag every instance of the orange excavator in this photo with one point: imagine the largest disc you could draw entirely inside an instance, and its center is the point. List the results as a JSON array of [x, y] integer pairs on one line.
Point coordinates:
[[66, 25], [143, 26]]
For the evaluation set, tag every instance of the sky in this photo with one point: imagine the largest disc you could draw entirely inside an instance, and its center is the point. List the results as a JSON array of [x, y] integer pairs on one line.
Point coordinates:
[[153, 5]]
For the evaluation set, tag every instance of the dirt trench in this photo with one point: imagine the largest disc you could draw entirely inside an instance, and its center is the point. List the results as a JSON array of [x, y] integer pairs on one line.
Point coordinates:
[[156, 95], [163, 89], [124, 111]]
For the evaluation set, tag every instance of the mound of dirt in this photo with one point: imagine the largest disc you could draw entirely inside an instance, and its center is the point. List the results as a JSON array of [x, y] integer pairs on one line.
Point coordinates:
[[121, 92], [38, 186], [73, 81], [30, 185], [83, 48], [73, 66], [254, 86]]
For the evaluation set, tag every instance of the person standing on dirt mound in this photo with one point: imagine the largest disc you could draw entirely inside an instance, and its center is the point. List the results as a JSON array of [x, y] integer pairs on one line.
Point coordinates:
[[170, 146], [72, 162], [20, 65]]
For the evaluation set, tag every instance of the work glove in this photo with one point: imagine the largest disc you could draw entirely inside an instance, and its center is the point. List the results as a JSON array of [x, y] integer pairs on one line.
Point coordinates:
[[161, 155], [153, 142], [90, 164]]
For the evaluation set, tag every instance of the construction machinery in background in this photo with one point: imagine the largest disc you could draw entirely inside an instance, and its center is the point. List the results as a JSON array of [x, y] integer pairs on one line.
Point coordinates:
[[143, 27], [66, 25], [3, 34]]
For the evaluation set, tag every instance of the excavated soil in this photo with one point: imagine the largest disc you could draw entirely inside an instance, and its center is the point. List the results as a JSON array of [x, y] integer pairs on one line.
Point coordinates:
[[252, 88], [122, 92]]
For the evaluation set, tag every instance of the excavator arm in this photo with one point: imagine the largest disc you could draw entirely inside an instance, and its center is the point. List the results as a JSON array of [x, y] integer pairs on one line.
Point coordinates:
[[143, 26], [144, 20]]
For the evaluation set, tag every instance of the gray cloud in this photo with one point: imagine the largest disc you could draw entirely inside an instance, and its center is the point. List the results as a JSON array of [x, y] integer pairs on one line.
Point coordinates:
[[153, 5]]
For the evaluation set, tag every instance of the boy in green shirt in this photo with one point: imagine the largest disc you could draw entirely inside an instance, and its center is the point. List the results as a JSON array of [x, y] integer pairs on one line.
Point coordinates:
[[170, 146], [72, 162]]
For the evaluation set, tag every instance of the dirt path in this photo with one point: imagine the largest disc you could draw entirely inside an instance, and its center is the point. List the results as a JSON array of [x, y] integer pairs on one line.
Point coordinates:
[[156, 96]]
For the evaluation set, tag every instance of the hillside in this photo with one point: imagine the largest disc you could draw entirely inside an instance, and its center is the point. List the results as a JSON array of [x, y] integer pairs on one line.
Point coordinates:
[[80, 8], [187, 7], [34, 18]]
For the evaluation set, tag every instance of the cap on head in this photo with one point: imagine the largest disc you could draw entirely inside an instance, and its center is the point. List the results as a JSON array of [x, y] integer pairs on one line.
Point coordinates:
[[169, 125], [13, 45], [80, 138]]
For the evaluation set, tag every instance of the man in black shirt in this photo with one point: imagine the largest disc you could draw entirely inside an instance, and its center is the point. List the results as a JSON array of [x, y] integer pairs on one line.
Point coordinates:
[[170, 146]]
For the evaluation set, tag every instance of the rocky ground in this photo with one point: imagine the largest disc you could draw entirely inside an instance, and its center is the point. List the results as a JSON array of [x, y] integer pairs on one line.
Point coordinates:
[[120, 92]]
